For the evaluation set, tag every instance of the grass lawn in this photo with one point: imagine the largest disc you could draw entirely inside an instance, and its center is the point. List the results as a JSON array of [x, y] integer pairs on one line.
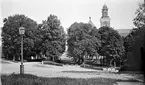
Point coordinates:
[[28, 79]]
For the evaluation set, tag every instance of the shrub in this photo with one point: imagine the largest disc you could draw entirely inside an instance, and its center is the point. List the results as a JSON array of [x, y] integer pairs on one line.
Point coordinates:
[[52, 63]]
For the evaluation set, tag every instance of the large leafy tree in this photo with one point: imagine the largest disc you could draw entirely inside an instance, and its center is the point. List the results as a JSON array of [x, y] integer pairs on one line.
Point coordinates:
[[112, 43], [139, 20], [82, 41], [135, 41], [51, 37], [11, 37]]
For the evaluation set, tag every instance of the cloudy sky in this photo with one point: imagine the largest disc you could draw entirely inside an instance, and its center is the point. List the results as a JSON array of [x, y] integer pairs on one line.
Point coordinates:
[[121, 12]]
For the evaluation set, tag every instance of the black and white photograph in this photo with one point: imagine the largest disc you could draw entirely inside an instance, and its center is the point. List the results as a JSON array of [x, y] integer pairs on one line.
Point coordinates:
[[72, 42]]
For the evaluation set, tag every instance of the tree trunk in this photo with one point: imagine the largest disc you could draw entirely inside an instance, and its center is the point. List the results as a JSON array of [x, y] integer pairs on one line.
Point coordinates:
[[14, 58], [102, 61], [53, 59], [111, 62], [114, 64], [84, 61], [19, 58]]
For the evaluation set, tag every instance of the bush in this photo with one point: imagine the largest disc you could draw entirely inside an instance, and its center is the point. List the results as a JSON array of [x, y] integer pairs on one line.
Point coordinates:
[[92, 67], [52, 63], [67, 62], [93, 63], [35, 60], [129, 67]]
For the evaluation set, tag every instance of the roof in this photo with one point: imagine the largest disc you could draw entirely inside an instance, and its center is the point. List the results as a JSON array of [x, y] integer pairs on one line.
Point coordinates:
[[105, 6], [90, 22]]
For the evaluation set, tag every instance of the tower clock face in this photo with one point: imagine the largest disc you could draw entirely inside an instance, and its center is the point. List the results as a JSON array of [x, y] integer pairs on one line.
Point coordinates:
[[105, 13]]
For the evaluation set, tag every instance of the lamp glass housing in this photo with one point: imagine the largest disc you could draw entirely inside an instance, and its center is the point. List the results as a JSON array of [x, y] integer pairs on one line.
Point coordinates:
[[21, 30]]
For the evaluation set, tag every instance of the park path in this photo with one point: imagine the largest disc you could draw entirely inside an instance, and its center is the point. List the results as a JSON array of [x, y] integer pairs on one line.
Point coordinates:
[[61, 71]]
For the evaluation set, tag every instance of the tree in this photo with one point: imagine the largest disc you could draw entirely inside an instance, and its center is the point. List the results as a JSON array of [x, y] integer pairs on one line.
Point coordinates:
[[52, 37], [139, 20], [82, 41], [11, 37], [133, 44], [112, 43], [135, 41]]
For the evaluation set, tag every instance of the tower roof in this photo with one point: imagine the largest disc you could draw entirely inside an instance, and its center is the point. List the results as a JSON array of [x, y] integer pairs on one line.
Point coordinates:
[[105, 6], [90, 22]]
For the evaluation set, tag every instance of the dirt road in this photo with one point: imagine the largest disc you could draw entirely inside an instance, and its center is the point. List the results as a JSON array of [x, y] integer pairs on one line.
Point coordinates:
[[60, 71]]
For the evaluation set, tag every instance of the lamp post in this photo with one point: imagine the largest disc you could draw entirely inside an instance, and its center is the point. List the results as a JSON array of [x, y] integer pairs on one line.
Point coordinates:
[[21, 32]]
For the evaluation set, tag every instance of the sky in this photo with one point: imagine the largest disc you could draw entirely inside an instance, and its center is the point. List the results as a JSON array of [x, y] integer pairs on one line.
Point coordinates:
[[121, 12]]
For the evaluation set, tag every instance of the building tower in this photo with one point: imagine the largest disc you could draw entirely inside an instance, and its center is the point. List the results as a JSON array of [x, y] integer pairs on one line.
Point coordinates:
[[105, 20], [91, 23]]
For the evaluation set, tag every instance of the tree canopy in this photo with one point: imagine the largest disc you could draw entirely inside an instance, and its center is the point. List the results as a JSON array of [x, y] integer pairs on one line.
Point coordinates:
[[112, 43], [135, 41], [139, 20], [11, 37], [46, 39], [52, 37], [82, 41]]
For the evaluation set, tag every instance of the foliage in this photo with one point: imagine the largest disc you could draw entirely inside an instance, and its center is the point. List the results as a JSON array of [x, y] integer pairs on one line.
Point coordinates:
[[133, 44], [51, 37], [82, 41], [135, 41], [47, 38], [112, 43], [11, 37], [139, 20]]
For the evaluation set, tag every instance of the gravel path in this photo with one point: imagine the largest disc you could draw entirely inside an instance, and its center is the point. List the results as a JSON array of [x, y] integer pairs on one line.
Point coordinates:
[[60, 71]]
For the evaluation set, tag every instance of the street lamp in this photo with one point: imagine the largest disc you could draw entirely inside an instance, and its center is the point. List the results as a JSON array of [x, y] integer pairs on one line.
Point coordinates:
[[21, 32]]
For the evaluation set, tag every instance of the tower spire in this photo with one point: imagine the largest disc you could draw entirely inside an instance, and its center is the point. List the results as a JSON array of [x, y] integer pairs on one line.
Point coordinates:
[[89, 18], [105, 20], [90, 22]]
